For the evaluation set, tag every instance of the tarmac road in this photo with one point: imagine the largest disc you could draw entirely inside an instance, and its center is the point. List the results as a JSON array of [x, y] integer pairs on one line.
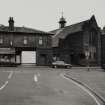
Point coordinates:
[[41, 87]]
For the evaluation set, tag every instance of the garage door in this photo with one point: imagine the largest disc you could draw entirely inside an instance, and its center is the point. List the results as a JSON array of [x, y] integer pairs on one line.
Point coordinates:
[[28, 56]]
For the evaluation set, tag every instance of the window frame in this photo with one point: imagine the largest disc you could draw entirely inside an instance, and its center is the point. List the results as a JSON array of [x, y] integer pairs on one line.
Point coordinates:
[[25, 40], [40, 42], [1, 39]]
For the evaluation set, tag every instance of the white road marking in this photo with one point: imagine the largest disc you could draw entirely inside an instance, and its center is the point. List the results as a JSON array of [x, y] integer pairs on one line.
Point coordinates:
[[35, 78], [82, 87], [10, 75], [4, 85], [6, 82]]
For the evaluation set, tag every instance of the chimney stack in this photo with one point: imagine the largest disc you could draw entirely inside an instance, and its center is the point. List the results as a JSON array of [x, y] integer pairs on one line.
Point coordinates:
[[11, 24]]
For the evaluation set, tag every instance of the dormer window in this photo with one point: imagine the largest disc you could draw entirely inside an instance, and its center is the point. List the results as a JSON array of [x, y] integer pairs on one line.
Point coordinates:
[[40, 41], [1, 40], [25, 40]]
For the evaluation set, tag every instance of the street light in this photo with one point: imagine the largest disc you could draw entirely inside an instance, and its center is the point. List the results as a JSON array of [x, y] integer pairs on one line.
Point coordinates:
[[87, 54]]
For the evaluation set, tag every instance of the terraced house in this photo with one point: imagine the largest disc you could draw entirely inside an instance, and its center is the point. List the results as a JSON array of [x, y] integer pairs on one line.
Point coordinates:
[[19, 45]]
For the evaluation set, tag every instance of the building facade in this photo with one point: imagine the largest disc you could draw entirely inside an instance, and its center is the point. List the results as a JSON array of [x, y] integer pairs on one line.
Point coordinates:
[[14, 41], [103, 47], [71, 43], [68, 43]]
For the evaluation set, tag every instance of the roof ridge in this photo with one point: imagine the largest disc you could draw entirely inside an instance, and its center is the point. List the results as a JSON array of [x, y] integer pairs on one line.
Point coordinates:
[[77, 23], [23, 29], [71, 25]]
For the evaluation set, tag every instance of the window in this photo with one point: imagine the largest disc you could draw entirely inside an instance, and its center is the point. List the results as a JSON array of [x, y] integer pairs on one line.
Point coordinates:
[[1, 40], [25, 40], [92, 52], [40, 41], [11, 42]]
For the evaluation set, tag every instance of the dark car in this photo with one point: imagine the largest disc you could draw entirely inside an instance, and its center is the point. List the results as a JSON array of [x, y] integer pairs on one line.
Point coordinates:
[[61, 64]]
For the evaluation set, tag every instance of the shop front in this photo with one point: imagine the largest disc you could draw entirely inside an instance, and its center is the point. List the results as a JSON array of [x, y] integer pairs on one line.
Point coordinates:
[[7, 57]]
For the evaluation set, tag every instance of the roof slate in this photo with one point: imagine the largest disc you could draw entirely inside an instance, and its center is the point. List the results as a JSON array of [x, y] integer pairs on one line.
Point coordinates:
[[61, 33], [22, 30]]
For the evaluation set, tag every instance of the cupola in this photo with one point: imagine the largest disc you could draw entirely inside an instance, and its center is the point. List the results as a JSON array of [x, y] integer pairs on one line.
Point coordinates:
[[62, 22]]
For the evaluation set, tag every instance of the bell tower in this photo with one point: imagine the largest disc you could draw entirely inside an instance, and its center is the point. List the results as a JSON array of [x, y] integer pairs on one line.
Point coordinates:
[[62, 22]]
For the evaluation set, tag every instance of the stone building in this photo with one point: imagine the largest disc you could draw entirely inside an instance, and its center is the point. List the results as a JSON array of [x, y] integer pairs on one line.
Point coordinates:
[[19, 45], [15, 42], [103, 47], [70, 43]]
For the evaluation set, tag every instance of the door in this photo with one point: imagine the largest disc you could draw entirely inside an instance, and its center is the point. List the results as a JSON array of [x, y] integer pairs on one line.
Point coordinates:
[[43, 60], [28, 57]]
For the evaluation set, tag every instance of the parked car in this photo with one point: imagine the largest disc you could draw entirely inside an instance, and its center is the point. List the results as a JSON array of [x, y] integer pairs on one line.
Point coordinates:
[[61, 64]]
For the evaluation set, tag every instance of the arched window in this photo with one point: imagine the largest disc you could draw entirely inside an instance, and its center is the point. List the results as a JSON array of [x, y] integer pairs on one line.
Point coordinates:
[[93, 43]]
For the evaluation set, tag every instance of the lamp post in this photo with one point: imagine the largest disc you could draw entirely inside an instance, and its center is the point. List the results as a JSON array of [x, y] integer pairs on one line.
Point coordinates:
[[87, 54]]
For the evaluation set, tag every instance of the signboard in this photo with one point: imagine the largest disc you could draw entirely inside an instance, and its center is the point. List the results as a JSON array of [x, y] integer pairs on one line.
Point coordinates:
[[7, 50]]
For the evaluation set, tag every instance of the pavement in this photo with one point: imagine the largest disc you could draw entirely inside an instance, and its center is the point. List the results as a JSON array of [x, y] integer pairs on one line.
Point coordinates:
[[41, 86], [94, 79]]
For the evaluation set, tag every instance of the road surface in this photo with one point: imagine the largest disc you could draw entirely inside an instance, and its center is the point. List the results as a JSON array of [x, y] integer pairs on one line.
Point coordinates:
[[40, 87]]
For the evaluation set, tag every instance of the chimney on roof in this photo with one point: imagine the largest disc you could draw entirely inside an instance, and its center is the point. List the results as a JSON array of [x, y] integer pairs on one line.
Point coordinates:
[[62, 22], [11, 24]]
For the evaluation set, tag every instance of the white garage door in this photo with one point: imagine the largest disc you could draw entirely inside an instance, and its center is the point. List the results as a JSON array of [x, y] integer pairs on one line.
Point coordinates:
[[28, 57]]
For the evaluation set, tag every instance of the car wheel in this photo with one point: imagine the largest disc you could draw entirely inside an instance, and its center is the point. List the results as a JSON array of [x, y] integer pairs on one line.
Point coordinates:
[[68, 67], [55, 66]]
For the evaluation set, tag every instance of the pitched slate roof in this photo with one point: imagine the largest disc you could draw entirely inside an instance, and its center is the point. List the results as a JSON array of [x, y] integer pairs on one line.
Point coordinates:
[[22, 30], [61, 33]]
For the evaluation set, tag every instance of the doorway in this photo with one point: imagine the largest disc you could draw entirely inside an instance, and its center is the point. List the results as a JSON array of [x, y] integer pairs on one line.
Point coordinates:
[[28, 57]]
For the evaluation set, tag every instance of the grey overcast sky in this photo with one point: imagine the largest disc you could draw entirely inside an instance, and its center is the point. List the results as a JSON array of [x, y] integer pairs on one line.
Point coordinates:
[[44, 14]]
